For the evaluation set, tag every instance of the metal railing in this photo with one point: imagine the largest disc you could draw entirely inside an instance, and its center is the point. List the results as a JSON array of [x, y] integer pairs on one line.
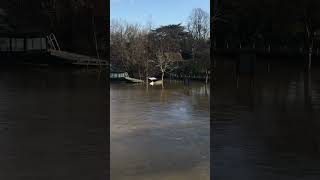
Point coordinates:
[[53, 42]]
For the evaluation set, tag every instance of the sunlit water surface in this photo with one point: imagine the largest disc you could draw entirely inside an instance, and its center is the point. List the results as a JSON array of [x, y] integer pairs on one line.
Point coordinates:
[[160, 133]]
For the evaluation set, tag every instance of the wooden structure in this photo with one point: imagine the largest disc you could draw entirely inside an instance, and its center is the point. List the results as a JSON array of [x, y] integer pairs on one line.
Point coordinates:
[[77, 59], [22, 43], [36, 48]]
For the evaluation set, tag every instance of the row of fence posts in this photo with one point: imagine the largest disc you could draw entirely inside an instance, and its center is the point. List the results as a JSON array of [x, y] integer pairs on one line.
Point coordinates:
[[186, 78], [198, 77], [267, 48]]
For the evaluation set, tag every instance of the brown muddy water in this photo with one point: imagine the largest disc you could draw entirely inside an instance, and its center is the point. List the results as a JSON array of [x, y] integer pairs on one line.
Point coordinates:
[[266, 124], [53, 124], [159, 134]]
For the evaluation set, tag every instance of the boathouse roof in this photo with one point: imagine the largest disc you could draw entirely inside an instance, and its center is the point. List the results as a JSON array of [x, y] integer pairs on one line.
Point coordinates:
[[21, 35], [176, 56]]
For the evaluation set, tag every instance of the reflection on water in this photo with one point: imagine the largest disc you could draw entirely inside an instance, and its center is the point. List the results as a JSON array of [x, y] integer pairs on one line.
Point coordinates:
[[159, 133], [52, 124], [266, 123]]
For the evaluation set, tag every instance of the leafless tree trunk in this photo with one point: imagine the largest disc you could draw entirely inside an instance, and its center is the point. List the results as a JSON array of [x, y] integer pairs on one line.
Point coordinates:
[[199, 27], [207, 76], [310, 37], [165, 62]]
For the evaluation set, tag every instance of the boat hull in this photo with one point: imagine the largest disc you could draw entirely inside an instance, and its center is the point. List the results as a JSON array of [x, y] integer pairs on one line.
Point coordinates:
[[154, 83]]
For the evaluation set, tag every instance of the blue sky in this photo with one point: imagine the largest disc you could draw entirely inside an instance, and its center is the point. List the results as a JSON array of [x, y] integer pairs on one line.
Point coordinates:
[[161, 12]]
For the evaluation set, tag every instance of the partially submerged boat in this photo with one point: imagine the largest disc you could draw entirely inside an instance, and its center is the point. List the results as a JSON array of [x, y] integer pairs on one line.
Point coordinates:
[[123, 77], [155, 81], [116, 74]]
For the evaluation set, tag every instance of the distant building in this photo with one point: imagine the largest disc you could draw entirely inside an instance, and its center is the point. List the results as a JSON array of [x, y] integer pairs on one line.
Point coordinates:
[[17, 34], [74, 22]]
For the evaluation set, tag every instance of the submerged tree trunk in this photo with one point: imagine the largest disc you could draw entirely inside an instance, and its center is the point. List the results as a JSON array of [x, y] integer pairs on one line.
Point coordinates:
[[207, 76], [147, 79], [162, 76], [310, 36], [310, 55], [140, 77]]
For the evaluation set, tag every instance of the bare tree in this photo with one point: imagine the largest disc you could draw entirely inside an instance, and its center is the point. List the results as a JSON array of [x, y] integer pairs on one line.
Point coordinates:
[[117, 36], [130, 47], [199, 27], [199, 24], [166, 61], [310, 36]]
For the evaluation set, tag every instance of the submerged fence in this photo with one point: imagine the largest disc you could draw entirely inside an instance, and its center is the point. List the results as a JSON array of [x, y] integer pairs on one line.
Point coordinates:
[[188, 76]]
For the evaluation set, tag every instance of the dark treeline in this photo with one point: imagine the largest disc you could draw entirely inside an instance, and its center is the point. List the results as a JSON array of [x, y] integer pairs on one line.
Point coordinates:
[[292, 24], [144, 51]]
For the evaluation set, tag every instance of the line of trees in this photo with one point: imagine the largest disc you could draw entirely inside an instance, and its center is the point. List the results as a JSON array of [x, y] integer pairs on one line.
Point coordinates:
[[144, 51], [285, 23]]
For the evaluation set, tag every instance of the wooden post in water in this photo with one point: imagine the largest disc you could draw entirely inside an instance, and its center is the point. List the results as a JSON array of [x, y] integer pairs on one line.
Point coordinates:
[[252, 66], [310, 58], [237, 72], [307, 90], [10, 44], [24, 44]]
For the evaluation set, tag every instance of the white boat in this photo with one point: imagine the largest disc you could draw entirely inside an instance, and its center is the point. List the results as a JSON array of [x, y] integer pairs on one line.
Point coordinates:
[[154, 81]]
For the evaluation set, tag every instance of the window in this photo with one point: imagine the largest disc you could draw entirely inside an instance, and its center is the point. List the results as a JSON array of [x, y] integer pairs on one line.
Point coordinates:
[[17, 44], [43, 43], [4, 44], [36, 44]]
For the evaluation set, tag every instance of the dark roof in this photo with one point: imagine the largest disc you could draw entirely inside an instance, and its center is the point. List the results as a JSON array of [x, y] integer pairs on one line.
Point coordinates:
[[22, 23], [12, 34], [175, 56]]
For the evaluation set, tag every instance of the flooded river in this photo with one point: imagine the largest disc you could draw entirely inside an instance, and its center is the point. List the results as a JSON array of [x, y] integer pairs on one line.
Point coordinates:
[[53, 124], [266, 123], [160, 133]]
